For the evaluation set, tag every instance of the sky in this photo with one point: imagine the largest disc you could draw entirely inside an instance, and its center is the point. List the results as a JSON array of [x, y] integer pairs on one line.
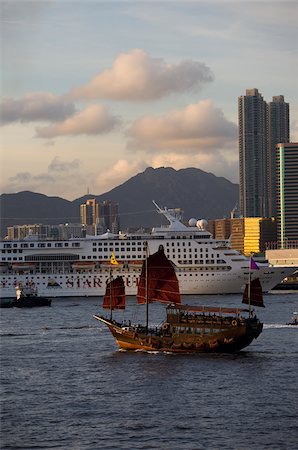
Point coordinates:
[[93, 92]]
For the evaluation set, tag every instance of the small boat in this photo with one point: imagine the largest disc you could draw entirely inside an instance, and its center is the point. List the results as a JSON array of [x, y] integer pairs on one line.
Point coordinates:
[[294, 319], [186, 329], [27, 297], [6, 303]]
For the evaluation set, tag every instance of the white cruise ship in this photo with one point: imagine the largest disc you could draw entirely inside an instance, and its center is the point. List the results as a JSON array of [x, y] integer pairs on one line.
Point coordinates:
[[81, 267]]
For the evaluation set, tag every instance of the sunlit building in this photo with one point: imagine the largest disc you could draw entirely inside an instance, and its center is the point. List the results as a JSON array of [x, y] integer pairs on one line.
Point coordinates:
[[89, 212], [247, 234], [287, 192]]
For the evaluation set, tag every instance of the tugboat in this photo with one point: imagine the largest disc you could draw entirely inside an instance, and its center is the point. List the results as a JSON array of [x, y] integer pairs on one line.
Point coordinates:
[[27, 297], [186, 329]]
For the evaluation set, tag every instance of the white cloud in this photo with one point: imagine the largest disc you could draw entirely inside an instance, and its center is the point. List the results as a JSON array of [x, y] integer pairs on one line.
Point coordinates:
[[35, 106], [220, 164], [137, 76], [119, 173], [197, 128], [94, 119]]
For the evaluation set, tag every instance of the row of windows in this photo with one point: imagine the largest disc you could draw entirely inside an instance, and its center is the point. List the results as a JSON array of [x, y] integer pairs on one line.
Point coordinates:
[[43, 245]]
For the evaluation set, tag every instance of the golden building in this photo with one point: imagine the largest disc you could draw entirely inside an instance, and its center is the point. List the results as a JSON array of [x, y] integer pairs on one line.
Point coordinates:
[[247, 234]]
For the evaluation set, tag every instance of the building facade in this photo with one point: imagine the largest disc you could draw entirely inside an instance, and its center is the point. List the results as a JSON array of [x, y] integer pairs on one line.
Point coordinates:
[[110, 215], [247, 234], [89, 212], [252, 154], [261, 127], [287, 192], [278, 127]]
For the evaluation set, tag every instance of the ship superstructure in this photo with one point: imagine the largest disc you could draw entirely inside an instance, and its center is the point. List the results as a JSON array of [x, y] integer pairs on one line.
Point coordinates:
[[81, 267]]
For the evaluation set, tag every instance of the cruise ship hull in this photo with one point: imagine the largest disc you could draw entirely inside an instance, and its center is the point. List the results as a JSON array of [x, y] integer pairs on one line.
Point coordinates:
[[94, 284]]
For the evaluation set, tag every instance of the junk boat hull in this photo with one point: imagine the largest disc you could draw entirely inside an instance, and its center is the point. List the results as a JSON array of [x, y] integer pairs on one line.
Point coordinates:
[[223, 339]]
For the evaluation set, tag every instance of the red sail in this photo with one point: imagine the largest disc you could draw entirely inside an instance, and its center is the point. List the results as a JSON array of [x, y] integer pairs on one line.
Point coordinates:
[[115, 294], [160, 277], [256, 294]]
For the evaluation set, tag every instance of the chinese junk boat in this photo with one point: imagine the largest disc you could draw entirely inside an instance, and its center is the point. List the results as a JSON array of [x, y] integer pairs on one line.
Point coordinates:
[[186, 329], [27, 297]]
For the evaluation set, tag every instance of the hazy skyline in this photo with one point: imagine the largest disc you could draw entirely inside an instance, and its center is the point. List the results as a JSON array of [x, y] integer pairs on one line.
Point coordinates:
[[94, 92]]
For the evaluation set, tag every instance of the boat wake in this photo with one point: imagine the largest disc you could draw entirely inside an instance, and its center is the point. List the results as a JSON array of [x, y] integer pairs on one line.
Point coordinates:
[[81, 327], [277, 325]]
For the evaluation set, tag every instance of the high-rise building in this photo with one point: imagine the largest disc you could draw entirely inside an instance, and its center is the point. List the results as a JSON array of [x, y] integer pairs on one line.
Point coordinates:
[[110, 216], [89, 212], [252, 154], [278, 131], [287, 192], [261, 127]]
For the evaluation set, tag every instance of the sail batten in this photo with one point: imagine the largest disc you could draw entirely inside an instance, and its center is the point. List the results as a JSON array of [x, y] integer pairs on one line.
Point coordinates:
[[158, 280], [253, 294], [114, 297]]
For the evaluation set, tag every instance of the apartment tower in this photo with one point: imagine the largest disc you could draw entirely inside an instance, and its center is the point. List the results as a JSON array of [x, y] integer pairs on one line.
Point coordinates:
[[261, 127], [252, 154], [287, 192], [278, 132]]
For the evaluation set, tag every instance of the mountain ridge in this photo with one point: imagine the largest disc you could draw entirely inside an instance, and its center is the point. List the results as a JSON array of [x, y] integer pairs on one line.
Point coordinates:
[[199, 194]]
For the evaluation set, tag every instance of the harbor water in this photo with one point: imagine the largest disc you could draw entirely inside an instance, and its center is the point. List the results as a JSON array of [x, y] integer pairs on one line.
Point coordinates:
[[64, 384]]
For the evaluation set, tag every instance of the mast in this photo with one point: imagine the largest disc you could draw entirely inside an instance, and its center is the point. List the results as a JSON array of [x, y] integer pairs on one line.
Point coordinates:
[[146, 287], [111, 309], [248, 288]]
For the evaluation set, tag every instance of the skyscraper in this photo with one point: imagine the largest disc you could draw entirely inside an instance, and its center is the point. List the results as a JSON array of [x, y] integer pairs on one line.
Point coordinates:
[[287, 192], [261, 127], [110, 215], [89, 212], [252, 154], [278, 131]]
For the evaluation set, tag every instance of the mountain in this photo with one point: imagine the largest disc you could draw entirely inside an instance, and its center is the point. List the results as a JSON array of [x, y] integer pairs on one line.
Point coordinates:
[[198, 193]]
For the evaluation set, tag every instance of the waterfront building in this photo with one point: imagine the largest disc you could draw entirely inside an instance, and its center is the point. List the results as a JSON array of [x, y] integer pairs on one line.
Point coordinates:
[[261, 127], [22, 231], [287, 192], [109, 212], [247, 234], [42, 232], [278, 131], [252, 154]]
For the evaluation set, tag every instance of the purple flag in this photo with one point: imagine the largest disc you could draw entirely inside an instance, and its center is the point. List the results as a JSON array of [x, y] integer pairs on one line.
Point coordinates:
[[253, 265]]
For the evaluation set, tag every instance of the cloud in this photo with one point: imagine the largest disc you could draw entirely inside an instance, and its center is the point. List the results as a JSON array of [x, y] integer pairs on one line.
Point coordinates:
[[35, 106], [119, 173], [63, 166], [196, 128], [94, 119], [57, 179], [136, 76], [219, 163]]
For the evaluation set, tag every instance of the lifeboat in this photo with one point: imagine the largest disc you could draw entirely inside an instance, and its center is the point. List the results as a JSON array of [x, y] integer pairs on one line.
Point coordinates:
[[3, 267], [23, 266], [83, 265]]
